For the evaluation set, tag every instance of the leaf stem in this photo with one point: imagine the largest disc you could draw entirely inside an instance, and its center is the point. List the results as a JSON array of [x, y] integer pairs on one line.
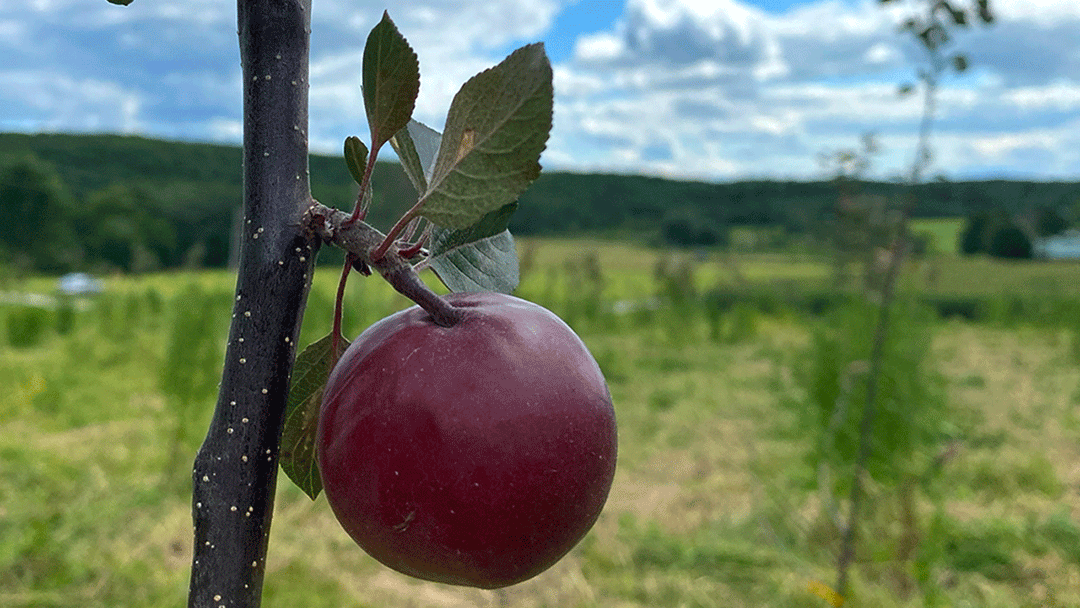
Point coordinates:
[[402, 222], [413, 250], [335, 344], [359, 209]]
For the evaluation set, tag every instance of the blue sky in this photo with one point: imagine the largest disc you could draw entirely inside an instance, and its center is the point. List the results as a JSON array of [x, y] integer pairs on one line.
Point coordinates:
[[579, 19], [699, 89]]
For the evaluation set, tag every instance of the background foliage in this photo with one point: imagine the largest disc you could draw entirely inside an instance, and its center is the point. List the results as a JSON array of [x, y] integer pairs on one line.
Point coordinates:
[[136, 204], [715, 501]]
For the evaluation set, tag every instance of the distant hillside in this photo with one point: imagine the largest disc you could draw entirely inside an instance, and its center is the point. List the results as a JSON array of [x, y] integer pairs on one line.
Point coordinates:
[[181, 173], [197, 187]]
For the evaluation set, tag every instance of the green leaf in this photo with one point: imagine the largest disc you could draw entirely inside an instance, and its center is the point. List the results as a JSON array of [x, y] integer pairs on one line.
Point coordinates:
[[491, 224], [489, 264], [959, 17], [298, 457], [416, 146], [934, 36], [960, 63], [355, 157], [391, 81], [479, 258], [497, 127]]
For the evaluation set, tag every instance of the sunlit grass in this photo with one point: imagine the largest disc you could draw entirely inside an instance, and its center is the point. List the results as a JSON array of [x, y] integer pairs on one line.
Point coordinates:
[[943, 232], [712, 503]]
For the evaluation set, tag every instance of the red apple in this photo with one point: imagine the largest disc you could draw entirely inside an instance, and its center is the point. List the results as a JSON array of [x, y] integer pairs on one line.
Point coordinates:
[[477, 454]]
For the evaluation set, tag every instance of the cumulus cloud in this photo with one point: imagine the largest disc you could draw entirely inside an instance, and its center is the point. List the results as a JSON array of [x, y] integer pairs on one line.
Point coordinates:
[[703, 89], [54, 101], [764, 92], [453, 40], [722, 84], [665, 35]]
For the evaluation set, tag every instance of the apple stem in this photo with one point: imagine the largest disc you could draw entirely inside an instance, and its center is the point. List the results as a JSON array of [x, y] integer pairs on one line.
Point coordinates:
[[408, 283]]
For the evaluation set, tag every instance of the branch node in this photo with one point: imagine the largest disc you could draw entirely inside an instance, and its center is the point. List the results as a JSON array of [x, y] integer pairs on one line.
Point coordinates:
[[366, 243]]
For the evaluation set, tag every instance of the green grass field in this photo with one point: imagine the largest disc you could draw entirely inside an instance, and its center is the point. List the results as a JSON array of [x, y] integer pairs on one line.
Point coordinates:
[[944, 233], [714, 502]]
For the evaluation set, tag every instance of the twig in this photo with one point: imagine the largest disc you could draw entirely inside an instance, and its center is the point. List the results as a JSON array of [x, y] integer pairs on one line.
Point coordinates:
[[364, 242]]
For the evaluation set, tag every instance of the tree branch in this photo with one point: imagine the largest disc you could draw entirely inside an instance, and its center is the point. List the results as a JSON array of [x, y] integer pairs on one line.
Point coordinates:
[[235, 471], [364, 242]]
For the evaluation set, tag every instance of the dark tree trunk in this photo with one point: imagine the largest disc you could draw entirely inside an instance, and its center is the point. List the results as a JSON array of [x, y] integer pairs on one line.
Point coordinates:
[[236, 469]]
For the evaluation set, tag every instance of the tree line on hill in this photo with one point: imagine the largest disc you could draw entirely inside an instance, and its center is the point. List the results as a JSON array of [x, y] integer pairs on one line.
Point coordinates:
[[1000, 234], [107, 202]]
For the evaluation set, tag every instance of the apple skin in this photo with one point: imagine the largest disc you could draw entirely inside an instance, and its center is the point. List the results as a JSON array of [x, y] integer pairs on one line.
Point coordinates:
[[475, 455]]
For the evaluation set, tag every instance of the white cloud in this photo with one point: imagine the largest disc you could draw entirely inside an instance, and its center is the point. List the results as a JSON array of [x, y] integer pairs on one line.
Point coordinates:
[[707, 89], [225, 129], [664, 34], [601, 47], [998, 146], [62, 100], [453, 40], [1040, 12], [13, 31], [881, 54], [764, 92], [1059, 96]]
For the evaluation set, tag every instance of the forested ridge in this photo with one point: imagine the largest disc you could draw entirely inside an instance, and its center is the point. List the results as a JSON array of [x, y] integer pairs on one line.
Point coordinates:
[[136, 203]]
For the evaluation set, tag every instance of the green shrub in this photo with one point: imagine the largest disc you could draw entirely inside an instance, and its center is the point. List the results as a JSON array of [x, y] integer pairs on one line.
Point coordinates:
[[1062, 533], [191, 369], [27, 326], [65, 316], [997, 475], [984, 546], [911, 412], [1038, 475], [109, 324], [1010, 242], [662, 400], [716, 552]]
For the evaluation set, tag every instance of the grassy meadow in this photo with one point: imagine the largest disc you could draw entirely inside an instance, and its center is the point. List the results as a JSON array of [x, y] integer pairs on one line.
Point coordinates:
[[943, 232], [717, 500]]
